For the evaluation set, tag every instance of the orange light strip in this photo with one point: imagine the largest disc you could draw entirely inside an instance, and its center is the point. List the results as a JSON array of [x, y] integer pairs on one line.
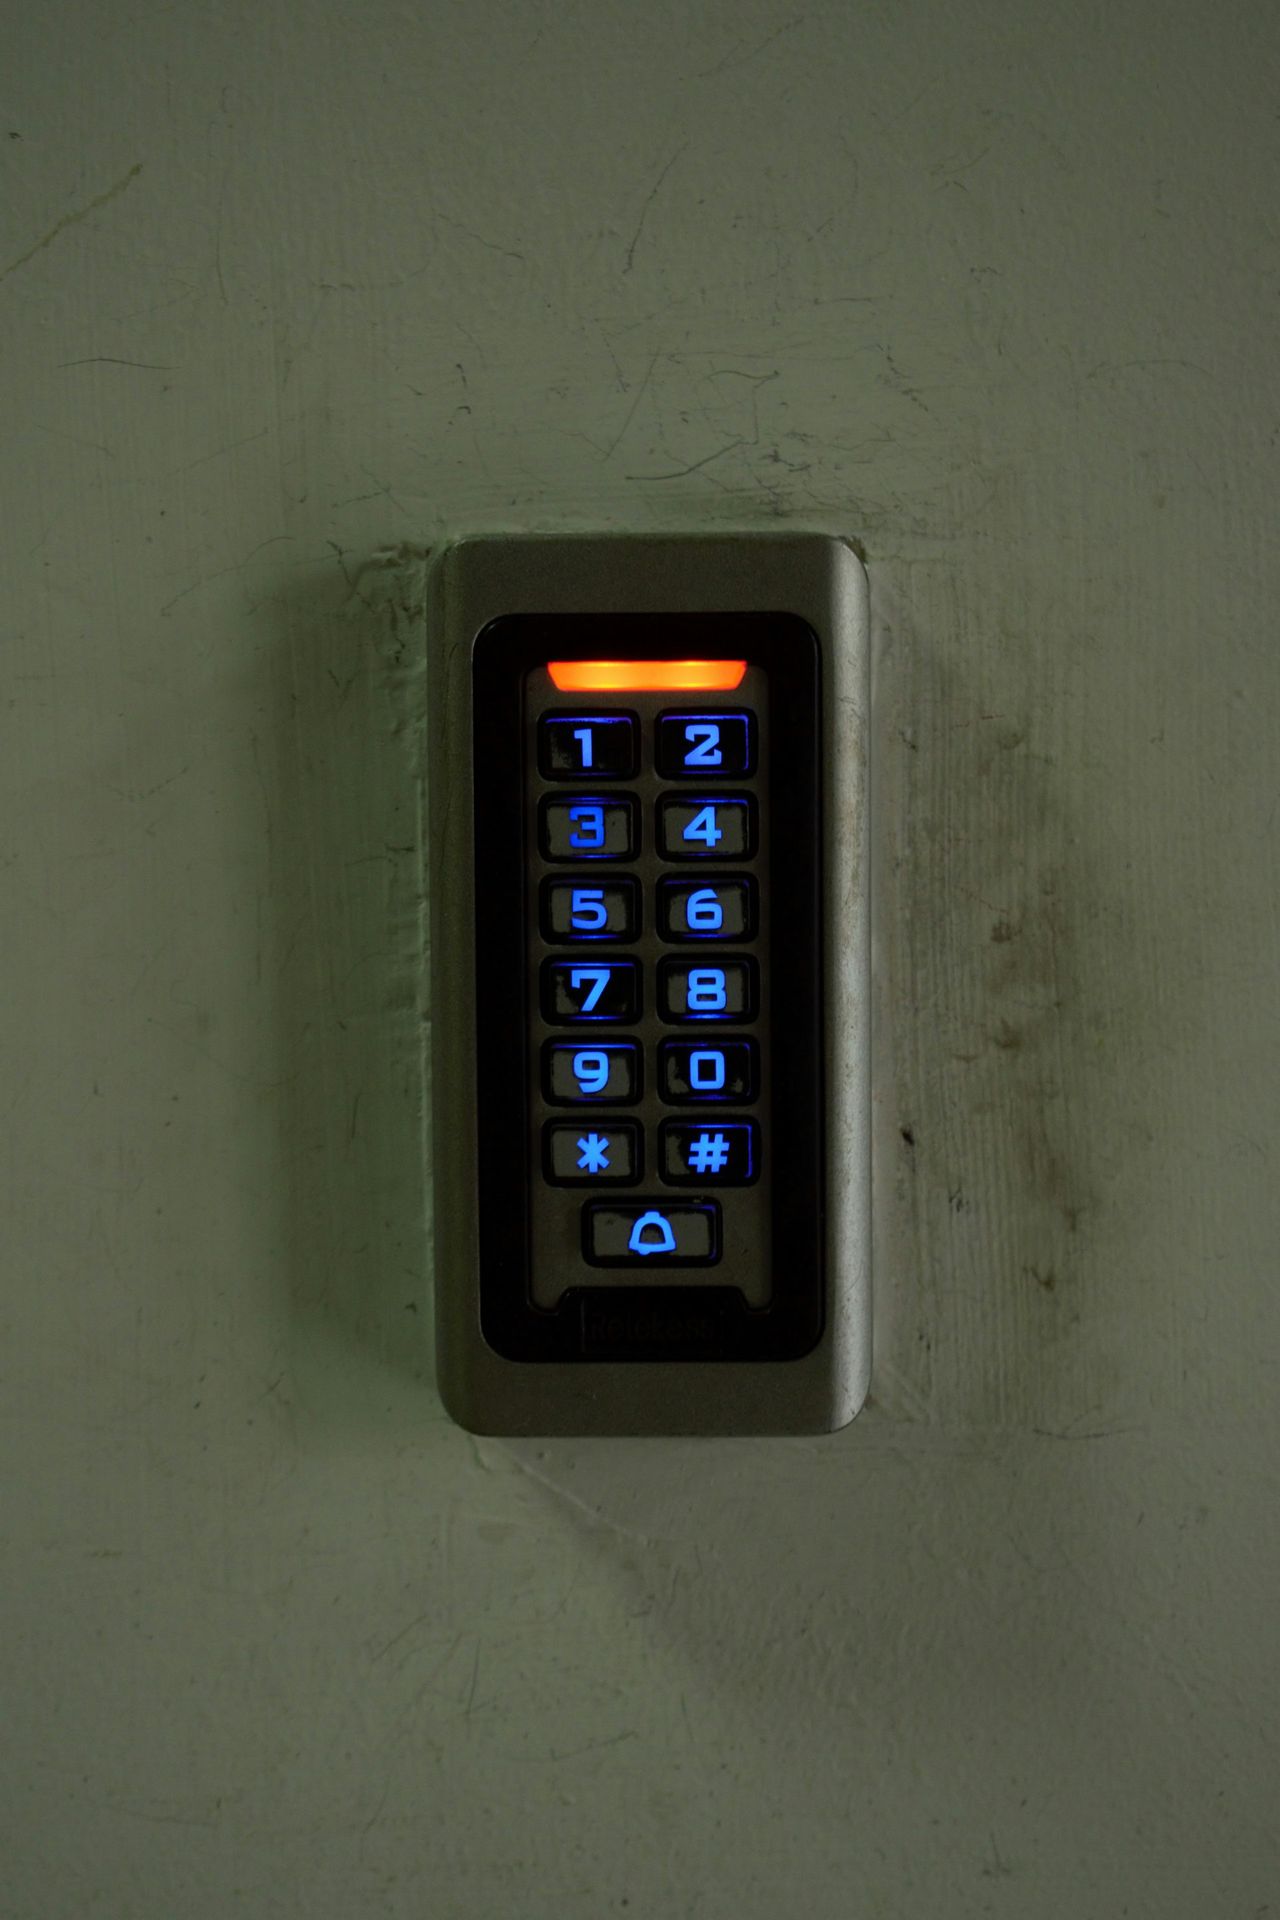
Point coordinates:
[[646, 676]]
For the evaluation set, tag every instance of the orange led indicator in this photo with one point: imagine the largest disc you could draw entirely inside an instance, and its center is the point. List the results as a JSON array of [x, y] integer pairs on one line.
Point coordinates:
[[646, 676]]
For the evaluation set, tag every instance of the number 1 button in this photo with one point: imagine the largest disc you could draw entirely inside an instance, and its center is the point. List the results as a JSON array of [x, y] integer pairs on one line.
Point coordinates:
[[588, 744]]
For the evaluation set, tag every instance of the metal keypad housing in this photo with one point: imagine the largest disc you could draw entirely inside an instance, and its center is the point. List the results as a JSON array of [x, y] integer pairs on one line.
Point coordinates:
[[672, 1236]]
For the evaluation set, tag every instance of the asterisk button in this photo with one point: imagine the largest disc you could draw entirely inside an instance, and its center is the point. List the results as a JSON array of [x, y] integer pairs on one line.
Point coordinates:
[[593, 1153]]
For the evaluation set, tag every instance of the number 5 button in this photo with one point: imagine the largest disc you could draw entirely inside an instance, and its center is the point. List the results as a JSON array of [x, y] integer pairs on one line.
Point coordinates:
[[693, 828], [574, 910]]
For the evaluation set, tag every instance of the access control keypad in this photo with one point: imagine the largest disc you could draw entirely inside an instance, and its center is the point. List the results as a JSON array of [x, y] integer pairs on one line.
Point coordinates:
[[628, 943], [648, 971]]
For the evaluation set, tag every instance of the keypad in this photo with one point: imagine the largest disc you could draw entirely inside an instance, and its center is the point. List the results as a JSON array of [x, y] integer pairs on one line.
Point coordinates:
[[615, 915]]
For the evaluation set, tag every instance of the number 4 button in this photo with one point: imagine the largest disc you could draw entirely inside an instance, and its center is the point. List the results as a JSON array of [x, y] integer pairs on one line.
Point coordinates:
[[691, 828]]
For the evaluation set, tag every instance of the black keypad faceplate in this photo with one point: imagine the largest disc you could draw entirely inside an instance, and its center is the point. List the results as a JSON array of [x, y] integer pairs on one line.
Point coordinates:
[[628, 1003]]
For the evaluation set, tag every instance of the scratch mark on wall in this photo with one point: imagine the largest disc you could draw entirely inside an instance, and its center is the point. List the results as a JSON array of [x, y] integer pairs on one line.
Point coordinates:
[[73, 219], [631, 410], [680, 472], [725, 65], [650, 197], [113, 360]]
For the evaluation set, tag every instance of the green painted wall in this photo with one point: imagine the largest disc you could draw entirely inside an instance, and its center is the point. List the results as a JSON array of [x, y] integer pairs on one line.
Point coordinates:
[[289, 295]]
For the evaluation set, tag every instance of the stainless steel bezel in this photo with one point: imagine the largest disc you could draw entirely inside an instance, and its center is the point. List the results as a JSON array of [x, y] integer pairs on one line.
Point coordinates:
[[821, 580]]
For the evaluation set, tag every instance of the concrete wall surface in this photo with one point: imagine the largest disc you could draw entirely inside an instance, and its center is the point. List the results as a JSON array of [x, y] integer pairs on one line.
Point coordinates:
[[290, 295]]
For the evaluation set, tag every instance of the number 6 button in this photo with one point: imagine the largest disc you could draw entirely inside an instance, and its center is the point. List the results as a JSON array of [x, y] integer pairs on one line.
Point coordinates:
[[693, 828], [714, 908]]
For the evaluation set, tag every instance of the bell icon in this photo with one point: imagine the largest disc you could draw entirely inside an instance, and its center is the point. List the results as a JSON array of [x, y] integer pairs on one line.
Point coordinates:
[[652, 1234]]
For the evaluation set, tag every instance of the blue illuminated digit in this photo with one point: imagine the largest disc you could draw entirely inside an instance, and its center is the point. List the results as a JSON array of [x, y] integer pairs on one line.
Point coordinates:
[[598, 977], [584, 735], [704, 744], [706, 1071], [587, 830], [587, 911], [703, 911], [703, 827], [707, 991], [591, 1071]]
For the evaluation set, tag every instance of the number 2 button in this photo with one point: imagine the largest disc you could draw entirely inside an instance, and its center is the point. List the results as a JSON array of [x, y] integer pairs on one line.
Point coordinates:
[[721, 745]]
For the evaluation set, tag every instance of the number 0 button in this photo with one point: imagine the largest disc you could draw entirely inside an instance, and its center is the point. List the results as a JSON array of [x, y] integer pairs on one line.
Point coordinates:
[[693, 828]]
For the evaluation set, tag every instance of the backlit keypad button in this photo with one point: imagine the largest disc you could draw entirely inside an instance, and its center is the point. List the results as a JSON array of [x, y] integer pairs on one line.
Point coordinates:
[[702, 1152], [706, 990], [599, 1153], [693, 828], [588, 745], [595, 827], [712, 1070], [707, 909], [603, 909], [586, 990], [651, 1233], [705, 744], [576, 1072]]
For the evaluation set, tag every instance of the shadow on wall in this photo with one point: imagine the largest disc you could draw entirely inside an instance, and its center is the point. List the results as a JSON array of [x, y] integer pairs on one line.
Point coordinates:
[[1011, 1007], [347, 691]]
